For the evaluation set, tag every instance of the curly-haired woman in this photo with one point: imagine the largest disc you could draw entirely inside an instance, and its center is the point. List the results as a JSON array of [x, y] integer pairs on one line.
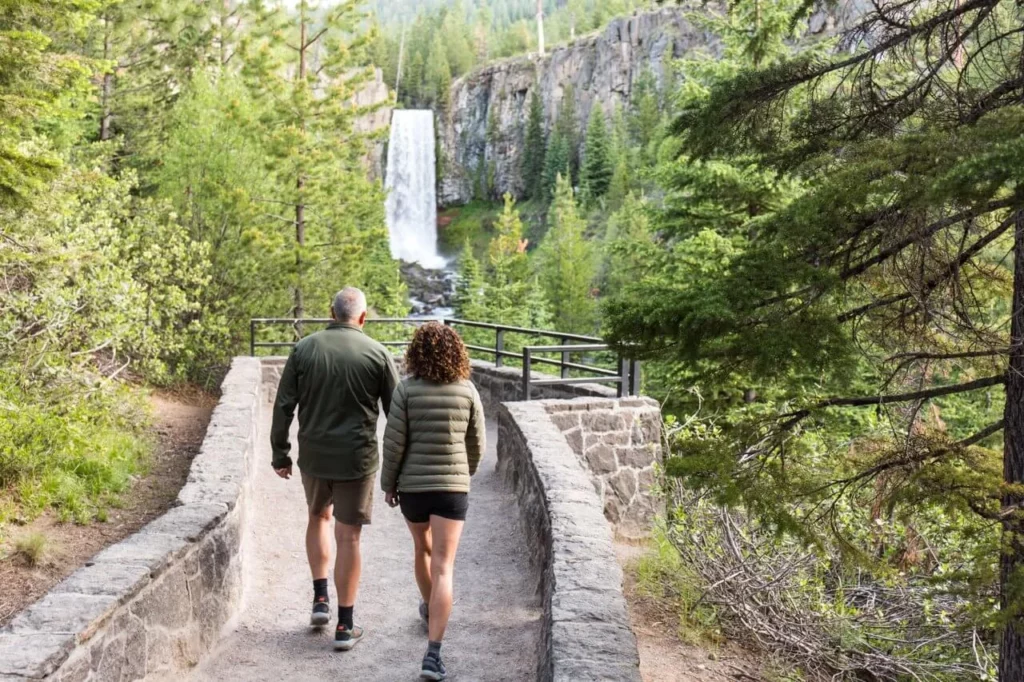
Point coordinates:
[[433, 444]]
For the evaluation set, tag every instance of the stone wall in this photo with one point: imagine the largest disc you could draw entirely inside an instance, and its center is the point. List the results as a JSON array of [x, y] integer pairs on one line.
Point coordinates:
[[618, 442], [151, 605], [586, 633]]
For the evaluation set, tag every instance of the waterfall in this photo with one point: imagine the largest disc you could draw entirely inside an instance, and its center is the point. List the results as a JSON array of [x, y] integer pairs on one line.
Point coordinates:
[[410, 183]]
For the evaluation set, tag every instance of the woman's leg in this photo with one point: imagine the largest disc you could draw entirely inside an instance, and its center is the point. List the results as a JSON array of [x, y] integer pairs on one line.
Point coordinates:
[[446, 534], [421, 541]]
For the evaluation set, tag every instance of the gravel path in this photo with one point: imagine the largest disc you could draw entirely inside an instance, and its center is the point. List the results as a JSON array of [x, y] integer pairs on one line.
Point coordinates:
[[494, 630]]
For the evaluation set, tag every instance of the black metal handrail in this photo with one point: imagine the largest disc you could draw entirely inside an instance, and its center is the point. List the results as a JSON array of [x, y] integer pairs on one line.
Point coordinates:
[[626, 377]]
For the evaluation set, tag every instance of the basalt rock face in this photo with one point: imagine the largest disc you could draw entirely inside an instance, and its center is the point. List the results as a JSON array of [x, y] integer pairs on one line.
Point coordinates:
[[481, 135], [602, 69]]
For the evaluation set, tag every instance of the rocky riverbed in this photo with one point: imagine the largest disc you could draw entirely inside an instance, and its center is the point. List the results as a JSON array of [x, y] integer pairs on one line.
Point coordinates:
[[431, 291]]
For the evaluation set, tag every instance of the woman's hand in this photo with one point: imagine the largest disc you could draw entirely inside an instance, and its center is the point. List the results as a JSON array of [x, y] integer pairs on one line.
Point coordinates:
[[391, 497]]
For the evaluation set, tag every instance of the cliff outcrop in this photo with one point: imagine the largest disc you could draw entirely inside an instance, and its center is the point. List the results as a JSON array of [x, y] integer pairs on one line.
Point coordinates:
[[482, 133]]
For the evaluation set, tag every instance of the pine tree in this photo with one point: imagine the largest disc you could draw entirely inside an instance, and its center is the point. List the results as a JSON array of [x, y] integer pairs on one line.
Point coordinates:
[[534, 149], [507, 268], [318, 155], [596, 174], [438, 73], [469, 301], [645, 112], [566, 126], [567, 264]]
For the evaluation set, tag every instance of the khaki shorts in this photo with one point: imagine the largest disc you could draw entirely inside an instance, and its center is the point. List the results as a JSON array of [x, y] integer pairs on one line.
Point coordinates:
[[352, 500]]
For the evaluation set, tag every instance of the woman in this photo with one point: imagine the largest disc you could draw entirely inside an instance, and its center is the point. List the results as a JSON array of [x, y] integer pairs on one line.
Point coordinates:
[[433, 444]]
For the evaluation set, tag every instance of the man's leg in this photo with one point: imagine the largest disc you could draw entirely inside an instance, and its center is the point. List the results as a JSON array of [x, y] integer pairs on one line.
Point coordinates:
[[318, 545], [353, 507], [349, 564], [318, 542]]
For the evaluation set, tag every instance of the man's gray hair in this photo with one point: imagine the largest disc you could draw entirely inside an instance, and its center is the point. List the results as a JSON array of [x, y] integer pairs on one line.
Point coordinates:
[[349, 304]]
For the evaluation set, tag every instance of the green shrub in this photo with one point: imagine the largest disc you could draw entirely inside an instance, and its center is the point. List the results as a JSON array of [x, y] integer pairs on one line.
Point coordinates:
[[33, 547], [67, 449]]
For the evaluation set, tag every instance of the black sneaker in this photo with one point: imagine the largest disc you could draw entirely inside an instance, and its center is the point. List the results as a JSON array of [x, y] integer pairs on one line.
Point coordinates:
[[321, 615], [433, 668], [424, 613], [345, 639]]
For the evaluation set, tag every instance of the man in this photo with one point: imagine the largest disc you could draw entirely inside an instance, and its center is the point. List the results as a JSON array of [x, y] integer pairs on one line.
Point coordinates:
[[335, 376]]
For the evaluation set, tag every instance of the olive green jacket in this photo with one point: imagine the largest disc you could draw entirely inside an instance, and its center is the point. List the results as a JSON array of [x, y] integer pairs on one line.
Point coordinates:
[[434, 439], [335, 377]]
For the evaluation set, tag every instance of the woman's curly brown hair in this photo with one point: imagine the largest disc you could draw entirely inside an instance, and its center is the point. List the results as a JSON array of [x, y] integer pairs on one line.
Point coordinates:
[[437, 354]]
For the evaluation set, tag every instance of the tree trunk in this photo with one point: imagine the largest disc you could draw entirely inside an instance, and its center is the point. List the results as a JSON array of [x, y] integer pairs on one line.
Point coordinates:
[[107, 91], [1011, 651], [300, 206], [540, 27]]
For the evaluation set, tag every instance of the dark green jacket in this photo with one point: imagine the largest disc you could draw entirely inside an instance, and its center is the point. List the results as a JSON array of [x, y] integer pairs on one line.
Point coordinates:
[[434, 439], [335, 377]]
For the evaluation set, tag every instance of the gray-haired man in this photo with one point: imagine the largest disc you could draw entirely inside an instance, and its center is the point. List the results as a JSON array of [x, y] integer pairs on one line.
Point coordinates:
[[336, 377]]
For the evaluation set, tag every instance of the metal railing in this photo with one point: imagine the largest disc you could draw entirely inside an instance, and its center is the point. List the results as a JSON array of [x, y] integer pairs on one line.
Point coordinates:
[[626, 375]]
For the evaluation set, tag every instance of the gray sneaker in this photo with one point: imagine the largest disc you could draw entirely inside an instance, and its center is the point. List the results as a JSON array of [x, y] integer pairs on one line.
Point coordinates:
[[321, 615], [345, 639], [424, 613], [432, 668]]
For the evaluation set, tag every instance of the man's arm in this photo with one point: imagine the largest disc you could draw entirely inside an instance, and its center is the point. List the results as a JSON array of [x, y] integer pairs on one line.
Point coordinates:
[[284, 412], [388, 381]]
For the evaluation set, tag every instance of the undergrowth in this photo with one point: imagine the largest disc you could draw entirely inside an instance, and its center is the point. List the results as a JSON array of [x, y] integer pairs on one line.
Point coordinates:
[[70, 446]]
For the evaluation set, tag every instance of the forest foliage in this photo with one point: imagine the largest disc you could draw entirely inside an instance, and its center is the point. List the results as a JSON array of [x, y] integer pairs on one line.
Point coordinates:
[[813, 244], [423, 46], [168, 169]]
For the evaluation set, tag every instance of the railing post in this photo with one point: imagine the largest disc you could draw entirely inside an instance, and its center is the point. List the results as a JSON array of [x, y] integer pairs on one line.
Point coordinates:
[[623, 384], [634, 377], [252, 338], [566, 358], [499, 346], [526, 372]]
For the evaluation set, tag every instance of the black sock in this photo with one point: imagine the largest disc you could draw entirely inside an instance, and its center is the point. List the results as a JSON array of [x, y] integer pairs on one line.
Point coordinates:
[[320, 589], [345, 616], [434, 648]]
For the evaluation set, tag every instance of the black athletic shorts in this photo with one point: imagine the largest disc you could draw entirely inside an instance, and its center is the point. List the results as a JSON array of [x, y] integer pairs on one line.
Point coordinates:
[[419, 507]]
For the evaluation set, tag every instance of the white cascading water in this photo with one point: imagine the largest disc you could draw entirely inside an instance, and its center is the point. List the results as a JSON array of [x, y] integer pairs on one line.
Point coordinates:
[[410, 183]]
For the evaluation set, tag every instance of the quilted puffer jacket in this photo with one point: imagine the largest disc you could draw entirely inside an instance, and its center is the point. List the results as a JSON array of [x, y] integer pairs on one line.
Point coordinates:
[[434, 439]]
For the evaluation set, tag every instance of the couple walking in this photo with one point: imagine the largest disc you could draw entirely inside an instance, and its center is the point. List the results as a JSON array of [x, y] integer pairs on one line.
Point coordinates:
[[432, 445]]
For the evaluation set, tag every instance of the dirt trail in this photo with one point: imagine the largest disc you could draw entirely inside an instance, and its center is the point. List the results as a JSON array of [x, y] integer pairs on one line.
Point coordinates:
[[495, 621]]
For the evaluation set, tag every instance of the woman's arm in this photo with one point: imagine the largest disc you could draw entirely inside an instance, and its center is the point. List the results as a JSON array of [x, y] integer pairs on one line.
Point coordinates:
[[476, 433], [395, 436]]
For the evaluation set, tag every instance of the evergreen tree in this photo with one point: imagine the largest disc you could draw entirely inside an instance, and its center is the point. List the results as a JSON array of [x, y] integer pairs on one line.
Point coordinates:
[[567, 264], [566, 126], [470, 299], [645, 113], [843, 234], [561, 157], [596, 174], [534, 149], [507, 269], [39, 85], [317, 153], [438, 73]]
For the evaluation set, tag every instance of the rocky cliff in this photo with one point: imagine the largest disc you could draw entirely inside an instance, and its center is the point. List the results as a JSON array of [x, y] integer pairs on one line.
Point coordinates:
[[602, 69]]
